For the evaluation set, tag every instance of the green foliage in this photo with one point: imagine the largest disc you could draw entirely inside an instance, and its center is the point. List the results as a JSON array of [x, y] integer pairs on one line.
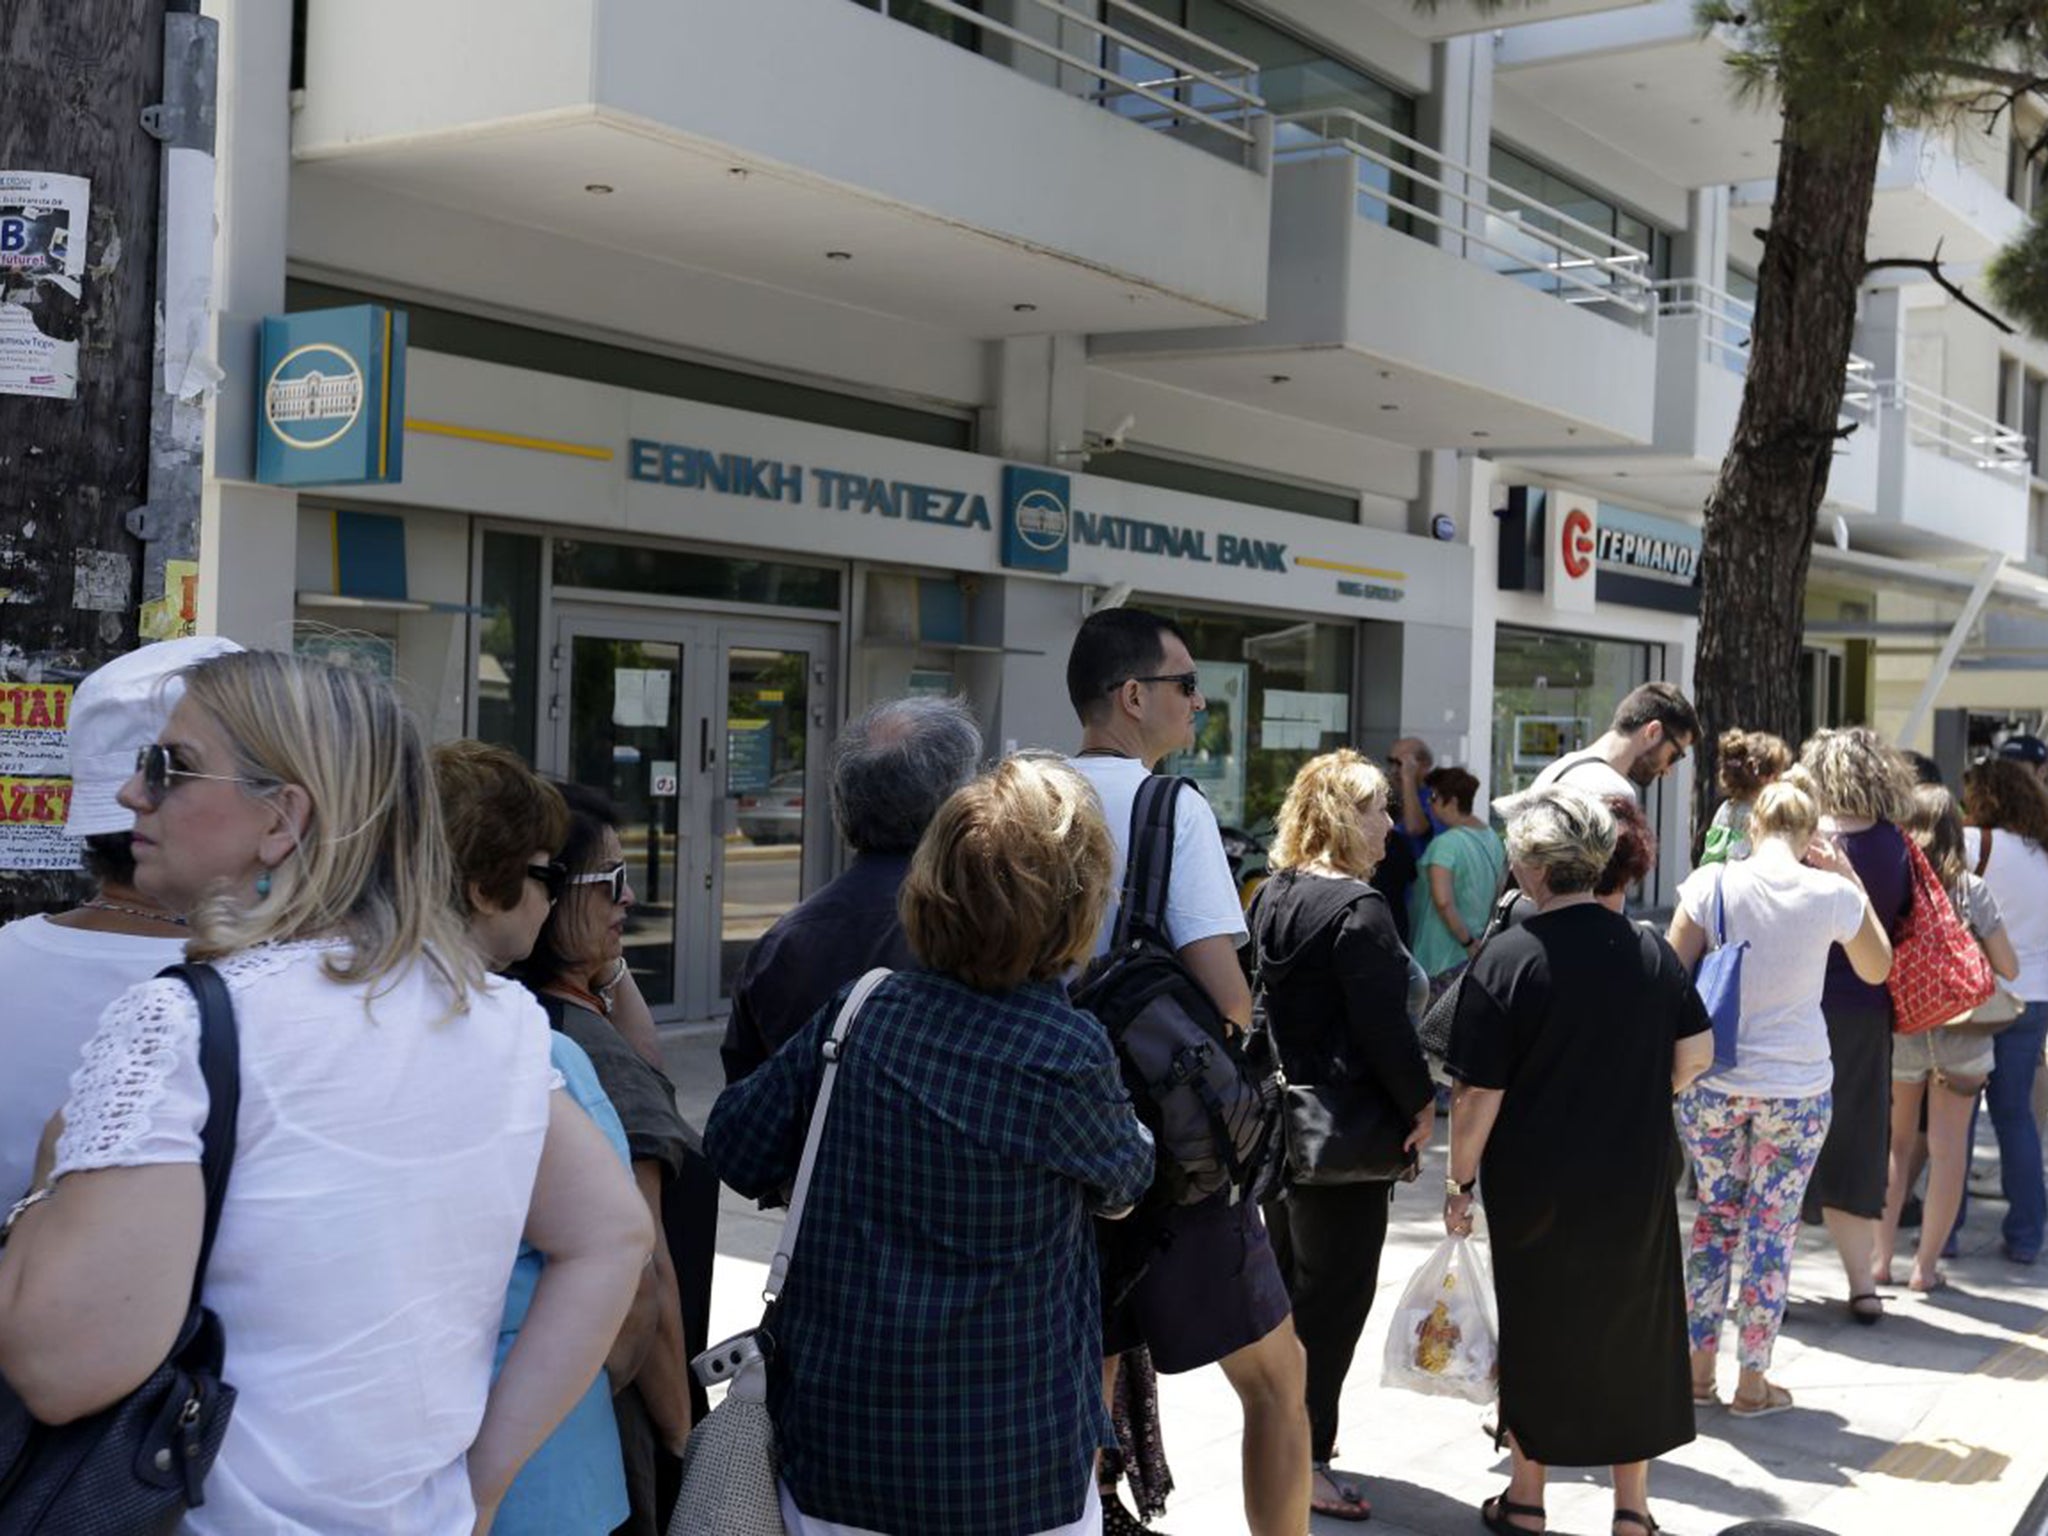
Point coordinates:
[[2018, 276]]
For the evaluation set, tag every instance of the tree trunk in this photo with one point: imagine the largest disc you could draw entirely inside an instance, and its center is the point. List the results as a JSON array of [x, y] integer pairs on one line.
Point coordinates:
[[75, 78], [1760, 515]]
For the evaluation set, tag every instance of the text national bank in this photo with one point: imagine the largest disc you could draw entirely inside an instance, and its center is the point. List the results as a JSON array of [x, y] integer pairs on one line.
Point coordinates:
[[739, 474]]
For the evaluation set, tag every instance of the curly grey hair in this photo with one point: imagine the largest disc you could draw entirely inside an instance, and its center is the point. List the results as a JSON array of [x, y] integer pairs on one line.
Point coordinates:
[[896, 764], [1568, 835]]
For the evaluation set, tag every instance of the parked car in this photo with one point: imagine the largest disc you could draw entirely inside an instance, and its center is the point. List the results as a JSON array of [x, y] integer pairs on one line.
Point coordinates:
[[775, 814]]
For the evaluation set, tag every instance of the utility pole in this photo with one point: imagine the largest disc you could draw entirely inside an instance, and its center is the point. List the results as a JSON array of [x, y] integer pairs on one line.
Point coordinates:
[[77, 77]]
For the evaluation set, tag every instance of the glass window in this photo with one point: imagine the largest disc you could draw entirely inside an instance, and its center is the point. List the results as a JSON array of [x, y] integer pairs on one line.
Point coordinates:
[[686, 573], [1229, 485], [1525, 233], [929, 18], [508, 649], [2030, 423], [1278, 691], [1555, 693]]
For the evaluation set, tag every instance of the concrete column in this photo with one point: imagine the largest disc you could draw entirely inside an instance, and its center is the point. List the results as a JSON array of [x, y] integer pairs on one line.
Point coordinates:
[[1038, 389], [1881, 331], [248, 534], [1456, 117], [1702, 252], [1039, 622]]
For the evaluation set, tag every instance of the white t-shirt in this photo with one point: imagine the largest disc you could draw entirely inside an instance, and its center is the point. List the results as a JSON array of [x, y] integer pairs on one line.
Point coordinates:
[[57, 982], [2018, 877], [385, 1160], [1586, 771], [1792, 915], [1201, 898]]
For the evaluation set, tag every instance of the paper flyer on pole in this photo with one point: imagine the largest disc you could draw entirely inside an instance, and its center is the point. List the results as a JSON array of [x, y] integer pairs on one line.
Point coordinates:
[[42, 270]]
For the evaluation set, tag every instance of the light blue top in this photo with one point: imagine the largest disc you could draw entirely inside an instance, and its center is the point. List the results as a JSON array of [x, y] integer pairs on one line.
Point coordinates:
[[576, 1482]]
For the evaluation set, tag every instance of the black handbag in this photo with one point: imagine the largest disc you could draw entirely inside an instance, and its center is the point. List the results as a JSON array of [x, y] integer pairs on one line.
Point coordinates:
[[1434, 1032], [1345, 1133], [134, 1468]]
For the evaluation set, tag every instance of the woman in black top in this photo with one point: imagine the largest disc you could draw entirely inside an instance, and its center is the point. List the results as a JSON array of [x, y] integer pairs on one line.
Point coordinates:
[[1336, 988], [1573, 1031]]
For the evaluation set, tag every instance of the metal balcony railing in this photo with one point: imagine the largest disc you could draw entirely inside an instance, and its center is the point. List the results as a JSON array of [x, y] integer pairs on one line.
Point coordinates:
[[1725, 323], [1405, 183], [1937, 422], [1127, 60]]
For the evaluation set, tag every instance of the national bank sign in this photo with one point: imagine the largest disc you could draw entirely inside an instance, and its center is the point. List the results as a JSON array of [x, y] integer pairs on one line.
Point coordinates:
[[1040, 524]]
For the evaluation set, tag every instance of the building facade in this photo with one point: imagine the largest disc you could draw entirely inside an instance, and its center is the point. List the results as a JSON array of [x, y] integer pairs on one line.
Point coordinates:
[[771, 357]]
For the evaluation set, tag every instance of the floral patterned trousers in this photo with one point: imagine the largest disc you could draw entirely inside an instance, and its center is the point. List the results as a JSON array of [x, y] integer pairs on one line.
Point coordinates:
[[1753, 1157]]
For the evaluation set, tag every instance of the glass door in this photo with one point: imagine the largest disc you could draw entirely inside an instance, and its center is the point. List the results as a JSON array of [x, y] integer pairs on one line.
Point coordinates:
[[618, 717], [708, 736]]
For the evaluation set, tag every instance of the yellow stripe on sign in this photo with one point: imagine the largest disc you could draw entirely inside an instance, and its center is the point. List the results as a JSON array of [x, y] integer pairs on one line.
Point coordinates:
[[509, 439], [1315, 564]]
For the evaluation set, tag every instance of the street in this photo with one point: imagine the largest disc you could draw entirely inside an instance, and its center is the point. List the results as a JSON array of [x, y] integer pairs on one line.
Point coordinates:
[[1930, 1421]]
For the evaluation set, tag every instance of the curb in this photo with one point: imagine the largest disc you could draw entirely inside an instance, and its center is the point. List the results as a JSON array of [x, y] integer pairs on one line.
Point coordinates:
[[2034, 1519]]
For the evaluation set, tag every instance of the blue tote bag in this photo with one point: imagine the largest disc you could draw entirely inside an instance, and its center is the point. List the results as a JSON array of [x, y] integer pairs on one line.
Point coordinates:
[[1719, 980]]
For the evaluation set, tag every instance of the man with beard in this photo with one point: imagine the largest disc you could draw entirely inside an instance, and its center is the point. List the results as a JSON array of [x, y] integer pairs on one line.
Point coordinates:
[[1652, 730]]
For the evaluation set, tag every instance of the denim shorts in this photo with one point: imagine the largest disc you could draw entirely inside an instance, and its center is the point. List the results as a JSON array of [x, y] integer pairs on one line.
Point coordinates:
[[1915, 1058]]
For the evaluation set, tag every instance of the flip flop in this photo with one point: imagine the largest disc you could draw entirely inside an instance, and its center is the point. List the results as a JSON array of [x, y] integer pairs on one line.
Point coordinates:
[[1776, 1400], [1869, 1316], [1350, 1502]]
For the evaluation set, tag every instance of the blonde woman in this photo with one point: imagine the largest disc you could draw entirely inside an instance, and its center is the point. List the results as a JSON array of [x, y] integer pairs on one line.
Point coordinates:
[[1864, 792], [398, 1133], [1334, 983], [1754, 1130], [1573, 1031], [939, 1344]]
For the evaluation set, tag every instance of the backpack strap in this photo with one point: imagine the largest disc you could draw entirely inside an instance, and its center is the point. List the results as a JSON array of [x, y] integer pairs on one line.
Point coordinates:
[[1148, 866], [220, 1063]]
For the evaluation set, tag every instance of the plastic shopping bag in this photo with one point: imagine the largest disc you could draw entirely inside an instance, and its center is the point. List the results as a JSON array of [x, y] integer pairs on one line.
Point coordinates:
[[1445, 1338]]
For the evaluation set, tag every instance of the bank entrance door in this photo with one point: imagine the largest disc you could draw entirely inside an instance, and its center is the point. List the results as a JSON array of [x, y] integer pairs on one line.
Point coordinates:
[[708, 735]]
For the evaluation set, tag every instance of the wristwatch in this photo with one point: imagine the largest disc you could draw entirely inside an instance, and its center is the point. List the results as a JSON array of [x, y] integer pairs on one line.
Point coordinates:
[[1453, 1187]]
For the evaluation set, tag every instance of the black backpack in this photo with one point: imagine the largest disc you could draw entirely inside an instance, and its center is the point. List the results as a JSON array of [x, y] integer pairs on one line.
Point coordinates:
[[1210, 1107]]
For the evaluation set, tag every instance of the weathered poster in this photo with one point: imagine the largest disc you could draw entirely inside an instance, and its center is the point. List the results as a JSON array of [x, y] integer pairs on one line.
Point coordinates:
[[42, 273], [33, 718], [32, 813]]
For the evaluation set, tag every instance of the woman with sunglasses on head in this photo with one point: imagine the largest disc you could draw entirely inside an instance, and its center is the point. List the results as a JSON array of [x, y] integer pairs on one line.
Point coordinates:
[[397, 1136], [577, 969], [505, 825]]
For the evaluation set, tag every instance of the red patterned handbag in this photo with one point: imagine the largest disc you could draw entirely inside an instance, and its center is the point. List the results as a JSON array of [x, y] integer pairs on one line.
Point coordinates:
[[1938, 968]]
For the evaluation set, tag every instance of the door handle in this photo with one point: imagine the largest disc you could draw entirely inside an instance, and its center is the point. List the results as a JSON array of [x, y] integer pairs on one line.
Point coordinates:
[[706, 753]]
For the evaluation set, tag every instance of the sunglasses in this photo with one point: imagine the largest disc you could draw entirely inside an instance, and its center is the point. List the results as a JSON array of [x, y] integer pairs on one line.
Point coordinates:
[[553, 877], [157, 766], [613, 879], [1189, 683]]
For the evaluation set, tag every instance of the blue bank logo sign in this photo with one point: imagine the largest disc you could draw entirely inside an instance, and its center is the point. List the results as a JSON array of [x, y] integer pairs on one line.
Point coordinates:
[[313, 396], [1037, 519]]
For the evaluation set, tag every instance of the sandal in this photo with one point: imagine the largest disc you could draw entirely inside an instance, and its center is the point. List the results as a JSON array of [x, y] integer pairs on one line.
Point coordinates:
[[1350, 1502], [1871, 1315], [1495, 1513], [1775, 1400], [1707, 1396], [1637, 1517]]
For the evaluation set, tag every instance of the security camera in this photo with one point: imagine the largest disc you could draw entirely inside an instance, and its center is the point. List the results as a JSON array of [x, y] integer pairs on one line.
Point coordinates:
[[1114, 441], [1110, 597]]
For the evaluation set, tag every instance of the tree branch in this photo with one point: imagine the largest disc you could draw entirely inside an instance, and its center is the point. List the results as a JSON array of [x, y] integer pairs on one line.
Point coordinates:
[[1931, 265]]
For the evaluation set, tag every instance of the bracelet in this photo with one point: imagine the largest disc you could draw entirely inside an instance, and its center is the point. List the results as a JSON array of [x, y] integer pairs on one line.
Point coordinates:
[[33, 1197]]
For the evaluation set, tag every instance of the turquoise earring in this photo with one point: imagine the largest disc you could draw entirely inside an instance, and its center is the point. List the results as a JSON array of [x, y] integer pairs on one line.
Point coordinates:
[[263, 885]]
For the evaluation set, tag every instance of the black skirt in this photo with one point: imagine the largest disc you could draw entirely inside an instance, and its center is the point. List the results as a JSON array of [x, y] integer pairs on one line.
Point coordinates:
[[1855, 1160]]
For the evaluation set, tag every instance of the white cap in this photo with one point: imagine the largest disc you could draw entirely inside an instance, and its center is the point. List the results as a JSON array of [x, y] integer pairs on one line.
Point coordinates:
[[118, 710]]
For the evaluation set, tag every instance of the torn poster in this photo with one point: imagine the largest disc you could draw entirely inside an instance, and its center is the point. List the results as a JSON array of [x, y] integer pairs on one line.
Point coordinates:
[[42, 272]]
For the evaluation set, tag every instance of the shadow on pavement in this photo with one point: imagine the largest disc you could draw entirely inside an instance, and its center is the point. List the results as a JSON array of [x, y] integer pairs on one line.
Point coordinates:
[[1404, 1505]]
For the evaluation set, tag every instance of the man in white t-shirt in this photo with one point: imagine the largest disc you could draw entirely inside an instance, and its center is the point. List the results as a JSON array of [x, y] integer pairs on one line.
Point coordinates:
[[1213, 1293], [1652, 730]]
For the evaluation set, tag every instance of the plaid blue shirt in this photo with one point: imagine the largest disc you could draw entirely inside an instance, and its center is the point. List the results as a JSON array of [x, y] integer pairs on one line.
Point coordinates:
[[939, 1340]]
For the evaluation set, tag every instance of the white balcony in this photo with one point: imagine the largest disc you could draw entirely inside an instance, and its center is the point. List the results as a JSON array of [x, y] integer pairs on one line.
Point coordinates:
[[1950, 481], [1060, 172], [1927, 198], [1702, 361], [1451, 18], [1416, 300], [1648, 80]]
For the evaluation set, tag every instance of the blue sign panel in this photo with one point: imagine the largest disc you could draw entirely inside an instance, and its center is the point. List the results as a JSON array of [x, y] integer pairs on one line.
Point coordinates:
[[332, 401], [1036, 521]]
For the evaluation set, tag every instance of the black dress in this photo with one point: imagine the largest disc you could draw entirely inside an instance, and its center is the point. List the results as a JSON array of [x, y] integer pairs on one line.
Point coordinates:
[[1575, 1015]]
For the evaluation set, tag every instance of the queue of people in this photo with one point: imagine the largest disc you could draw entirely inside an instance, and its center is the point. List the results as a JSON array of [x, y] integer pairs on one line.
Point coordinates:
[[446, 1262]]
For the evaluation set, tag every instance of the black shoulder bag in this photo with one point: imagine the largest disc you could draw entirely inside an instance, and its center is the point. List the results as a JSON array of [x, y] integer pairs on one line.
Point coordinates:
[[134, 1468], [1434, 1031]]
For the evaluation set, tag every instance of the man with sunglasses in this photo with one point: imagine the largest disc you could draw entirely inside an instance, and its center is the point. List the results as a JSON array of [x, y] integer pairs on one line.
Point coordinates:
[[1213, 1293], [1652, 730]]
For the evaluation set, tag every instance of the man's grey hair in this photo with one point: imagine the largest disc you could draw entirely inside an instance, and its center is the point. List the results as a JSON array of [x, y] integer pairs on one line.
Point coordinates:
[[896, 764]]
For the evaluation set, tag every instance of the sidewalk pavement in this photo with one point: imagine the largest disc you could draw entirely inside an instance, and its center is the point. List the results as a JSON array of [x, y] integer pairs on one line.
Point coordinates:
[[1934, 1420]]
